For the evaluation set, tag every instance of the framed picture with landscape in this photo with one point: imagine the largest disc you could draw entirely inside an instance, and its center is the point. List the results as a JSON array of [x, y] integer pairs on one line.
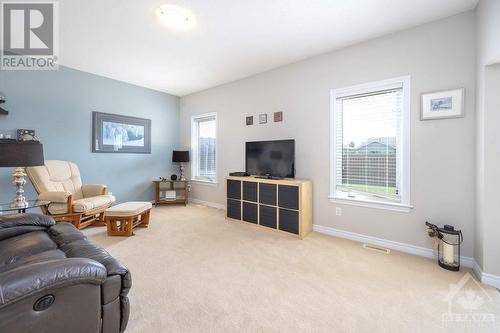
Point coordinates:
[[112, 133], [443, 104]]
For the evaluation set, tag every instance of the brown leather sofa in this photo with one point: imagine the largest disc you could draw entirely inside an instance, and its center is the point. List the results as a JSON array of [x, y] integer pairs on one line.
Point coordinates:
[[52, 279]]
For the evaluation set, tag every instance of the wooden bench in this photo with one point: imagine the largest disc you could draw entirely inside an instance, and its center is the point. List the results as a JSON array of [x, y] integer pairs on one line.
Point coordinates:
[[123, 218]]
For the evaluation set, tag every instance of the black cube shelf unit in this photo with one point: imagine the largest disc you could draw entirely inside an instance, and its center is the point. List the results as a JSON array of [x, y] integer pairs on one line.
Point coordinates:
[[284, 205]]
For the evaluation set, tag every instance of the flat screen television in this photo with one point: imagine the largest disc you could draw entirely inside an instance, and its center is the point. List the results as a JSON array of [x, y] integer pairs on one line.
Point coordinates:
[[271, 158]]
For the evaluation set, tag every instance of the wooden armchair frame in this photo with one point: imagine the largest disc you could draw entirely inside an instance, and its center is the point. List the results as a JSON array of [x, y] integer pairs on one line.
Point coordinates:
[[80, 220]]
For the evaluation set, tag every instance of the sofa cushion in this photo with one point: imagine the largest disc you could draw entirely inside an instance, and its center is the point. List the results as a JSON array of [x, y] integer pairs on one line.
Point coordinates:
[[15, 220], [17, 224], [25, 245], [35, 258], [64, 232], [82, 205]]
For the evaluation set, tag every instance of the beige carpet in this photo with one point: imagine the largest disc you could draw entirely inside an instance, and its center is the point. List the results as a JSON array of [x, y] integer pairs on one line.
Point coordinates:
[[193, 271]]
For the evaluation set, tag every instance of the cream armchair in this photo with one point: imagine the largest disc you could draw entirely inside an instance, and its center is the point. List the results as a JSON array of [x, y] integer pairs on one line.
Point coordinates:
[[60, 183]]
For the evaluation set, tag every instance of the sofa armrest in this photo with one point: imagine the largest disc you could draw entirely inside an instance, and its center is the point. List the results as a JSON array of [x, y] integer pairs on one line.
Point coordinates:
[[25, 281], [94, 190], [55, 196], [119, 279], [85, 248]]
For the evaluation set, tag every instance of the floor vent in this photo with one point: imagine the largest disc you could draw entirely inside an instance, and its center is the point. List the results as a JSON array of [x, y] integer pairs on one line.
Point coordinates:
[[376, 248]]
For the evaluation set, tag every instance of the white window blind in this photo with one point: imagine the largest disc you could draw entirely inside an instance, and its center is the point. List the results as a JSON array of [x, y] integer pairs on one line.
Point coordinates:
[[368, 143], [204, 147]]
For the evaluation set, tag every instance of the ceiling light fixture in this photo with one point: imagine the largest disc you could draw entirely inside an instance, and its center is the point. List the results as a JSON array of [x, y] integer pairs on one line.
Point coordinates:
[[176, 17]]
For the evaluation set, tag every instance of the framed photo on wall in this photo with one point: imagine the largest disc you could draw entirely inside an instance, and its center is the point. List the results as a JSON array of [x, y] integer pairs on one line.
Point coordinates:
[[278, 116], [113, 133], [442, 104], [263, 118], [26, 135], [249, 120]]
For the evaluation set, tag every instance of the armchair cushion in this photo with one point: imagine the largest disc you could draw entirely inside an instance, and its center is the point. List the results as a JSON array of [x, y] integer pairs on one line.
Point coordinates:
[[93, 190], [86, 204], [82, 205], [56, 176], [55, 196]]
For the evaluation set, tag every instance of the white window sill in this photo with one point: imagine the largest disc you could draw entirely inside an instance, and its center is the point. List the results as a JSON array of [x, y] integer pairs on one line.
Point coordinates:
[[204, 181], [397, 207]]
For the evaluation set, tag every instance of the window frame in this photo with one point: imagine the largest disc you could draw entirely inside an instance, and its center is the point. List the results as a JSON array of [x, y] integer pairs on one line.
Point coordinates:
[[403, 146], [195, 119]]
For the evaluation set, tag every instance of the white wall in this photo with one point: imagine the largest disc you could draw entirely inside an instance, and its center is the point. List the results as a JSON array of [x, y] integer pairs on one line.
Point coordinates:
[[488, 22], [487, 250], [437, 56], [491, 217]]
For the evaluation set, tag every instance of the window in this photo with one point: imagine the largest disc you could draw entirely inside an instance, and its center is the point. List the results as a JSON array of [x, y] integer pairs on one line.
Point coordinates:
[[370, 145], [204, 147]]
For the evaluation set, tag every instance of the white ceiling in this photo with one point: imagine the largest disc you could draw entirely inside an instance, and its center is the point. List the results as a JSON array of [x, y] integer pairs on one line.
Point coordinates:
[[233, 39]]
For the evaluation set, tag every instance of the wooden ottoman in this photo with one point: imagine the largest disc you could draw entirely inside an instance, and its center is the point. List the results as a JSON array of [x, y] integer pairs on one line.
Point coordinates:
[[122, 218]]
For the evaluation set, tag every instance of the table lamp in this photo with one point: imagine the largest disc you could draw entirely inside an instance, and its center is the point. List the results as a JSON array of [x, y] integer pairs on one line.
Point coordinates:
[[181, 156], [20, 154]]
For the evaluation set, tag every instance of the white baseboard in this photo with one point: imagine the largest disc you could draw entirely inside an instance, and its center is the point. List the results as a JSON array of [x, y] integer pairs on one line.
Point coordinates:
[[486, 278], [477, 271], [490, 279], [402, 247], [207, 203]]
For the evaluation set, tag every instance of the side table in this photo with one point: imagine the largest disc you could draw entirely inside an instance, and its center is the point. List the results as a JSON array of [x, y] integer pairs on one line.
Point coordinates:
[[179, 186]]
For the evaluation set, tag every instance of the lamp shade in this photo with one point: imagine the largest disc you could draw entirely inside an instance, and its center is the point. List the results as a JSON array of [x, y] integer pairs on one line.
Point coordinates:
[[180, 156], [20, 154]]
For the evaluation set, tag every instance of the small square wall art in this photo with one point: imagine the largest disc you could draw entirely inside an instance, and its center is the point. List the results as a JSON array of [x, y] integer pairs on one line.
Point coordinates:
[[278, 116], [263, 118], [249, 120]]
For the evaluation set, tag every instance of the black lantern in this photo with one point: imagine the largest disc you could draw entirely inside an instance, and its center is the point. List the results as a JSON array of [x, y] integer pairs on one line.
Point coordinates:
[[449, 241]]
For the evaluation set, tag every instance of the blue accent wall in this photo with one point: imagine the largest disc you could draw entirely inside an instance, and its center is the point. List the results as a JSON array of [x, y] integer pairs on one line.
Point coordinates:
[[58, 105]]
